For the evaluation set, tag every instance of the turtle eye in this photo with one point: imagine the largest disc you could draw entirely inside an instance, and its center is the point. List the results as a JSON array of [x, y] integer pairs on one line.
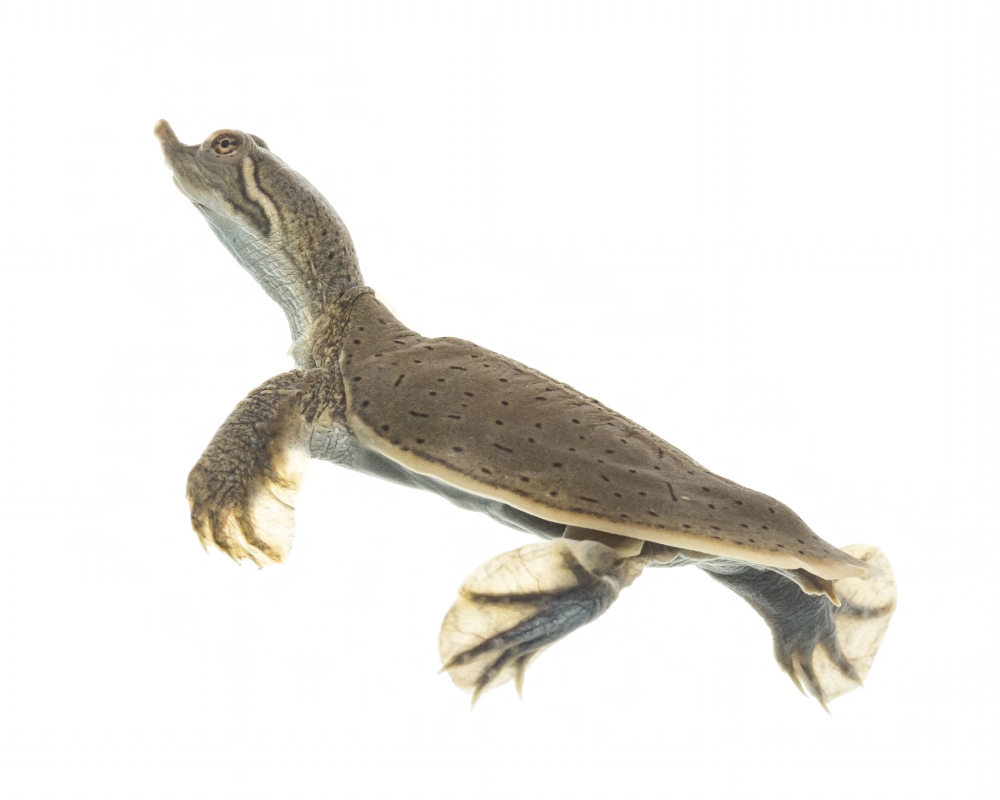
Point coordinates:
[[226, 143]]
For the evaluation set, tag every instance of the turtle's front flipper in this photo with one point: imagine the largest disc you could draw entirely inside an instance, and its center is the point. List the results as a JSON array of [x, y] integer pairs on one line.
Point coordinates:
[[827, 649], [242, 488], [517, 604]]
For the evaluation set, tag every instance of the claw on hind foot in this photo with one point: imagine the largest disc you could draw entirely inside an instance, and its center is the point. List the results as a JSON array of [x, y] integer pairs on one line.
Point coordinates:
[[841, 660], [518, 604]]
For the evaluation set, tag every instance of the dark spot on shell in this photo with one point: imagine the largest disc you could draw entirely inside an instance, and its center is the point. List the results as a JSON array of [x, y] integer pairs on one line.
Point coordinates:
[[553, 494], [504, 403], [652, 513], [800, 541], [357, 341], [526, 480], [576, 422], [503, 380], [418, 414], [744, 525], [365, 403], [764, 527], [642, 494], [556, 463], [538, 424], [357, 378], [420, 441], [399, 380], [606, 479], [432, 394], [632, 472], [618, 494], [459, 368], [531, 440], [770, 509], [454, 416], [501, 447], [715, 527], [457, 449], [486, 470], [739, 502], [710, 505], [588, 499], [685, 525], [385, 427], [498, 421]]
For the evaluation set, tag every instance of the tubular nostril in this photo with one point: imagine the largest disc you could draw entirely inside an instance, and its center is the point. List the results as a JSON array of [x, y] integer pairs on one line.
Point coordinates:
[[164, 132]]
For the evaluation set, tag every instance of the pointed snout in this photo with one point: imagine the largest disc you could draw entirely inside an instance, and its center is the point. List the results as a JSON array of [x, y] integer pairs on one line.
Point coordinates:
[[171, 145], [165, 133]]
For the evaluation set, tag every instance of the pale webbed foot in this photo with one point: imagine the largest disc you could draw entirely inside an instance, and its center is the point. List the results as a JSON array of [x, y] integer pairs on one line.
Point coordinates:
[[517, 604], [826, 649], [841, 658], [242, 489]]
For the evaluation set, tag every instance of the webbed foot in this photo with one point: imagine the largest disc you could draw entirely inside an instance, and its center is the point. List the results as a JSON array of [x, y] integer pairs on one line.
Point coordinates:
[[242, 489], [839, 659], [517, 604], [826, 649]]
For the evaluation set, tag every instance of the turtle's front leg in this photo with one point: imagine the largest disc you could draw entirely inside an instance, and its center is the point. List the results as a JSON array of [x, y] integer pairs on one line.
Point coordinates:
[[242, 488], [517, 604]]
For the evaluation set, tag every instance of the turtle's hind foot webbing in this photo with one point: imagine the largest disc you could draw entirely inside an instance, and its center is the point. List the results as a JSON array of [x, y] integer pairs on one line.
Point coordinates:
[[517, 604]]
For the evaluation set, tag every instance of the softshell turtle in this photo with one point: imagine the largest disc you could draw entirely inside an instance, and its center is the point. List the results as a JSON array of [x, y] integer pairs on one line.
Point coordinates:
[[607, 497]]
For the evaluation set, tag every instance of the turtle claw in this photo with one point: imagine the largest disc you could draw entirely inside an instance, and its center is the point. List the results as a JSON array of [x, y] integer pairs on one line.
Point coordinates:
[[518, 604], [243, 487], [838, 655]]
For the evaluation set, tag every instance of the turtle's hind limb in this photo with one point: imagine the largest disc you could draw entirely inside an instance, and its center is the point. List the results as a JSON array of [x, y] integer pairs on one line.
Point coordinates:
[[826, 649], [516, 605], [242, 489]]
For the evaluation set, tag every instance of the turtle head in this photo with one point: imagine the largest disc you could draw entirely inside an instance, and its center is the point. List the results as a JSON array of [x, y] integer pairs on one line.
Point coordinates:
[[275, 223], [213, 176]]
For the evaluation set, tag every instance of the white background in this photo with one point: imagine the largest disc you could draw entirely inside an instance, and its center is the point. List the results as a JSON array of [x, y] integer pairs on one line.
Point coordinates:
[[766, 230]]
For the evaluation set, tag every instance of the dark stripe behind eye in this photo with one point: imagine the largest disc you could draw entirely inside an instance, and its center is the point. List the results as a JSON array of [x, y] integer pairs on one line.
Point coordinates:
[[261, 215]]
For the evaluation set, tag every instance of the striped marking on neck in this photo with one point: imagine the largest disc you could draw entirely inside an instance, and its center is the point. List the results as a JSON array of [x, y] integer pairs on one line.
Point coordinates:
[[259, 196]]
